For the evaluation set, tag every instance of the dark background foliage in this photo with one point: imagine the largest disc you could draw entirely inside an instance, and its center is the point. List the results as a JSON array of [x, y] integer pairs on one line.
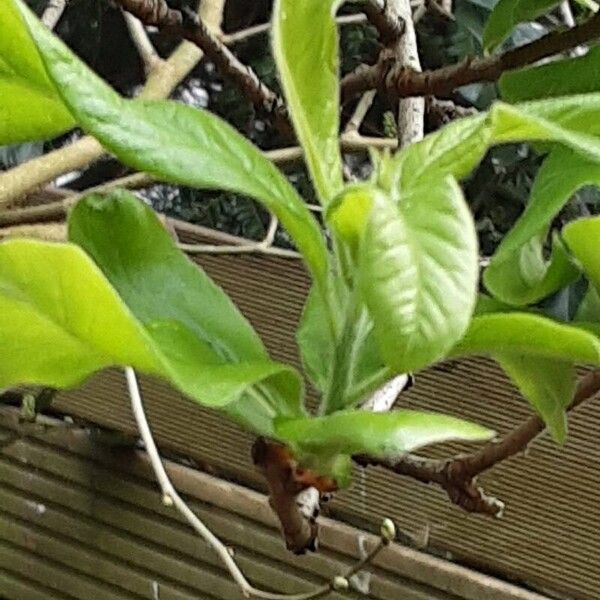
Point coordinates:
[[497, 190]]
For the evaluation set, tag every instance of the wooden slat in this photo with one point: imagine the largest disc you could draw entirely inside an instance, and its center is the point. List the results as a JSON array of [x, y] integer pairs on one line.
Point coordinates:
[[65, 498]]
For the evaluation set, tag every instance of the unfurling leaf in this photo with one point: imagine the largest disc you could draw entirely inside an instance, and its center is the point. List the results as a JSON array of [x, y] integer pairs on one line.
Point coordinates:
[[305, 46], [418, 272]]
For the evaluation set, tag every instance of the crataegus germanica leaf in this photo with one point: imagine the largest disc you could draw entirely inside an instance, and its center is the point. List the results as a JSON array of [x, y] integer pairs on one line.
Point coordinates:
[[528, 335], [547, 384], [578, 75], [376, 434], [177, 143], [418, 271], [583, 238], [525, 277], [509, 13], [538, 354], [60, 320], [573, 121], [305, 46], [559, 177], [188, 316], [518, 272], [30, 108]]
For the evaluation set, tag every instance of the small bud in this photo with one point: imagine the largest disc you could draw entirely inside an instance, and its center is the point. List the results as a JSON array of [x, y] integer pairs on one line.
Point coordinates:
[[167, 500], [340, 583], [388, 530]]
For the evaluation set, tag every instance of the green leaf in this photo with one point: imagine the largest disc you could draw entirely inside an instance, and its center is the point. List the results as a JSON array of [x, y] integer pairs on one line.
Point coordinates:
[[155, 279], [525, 277], [583, 238], [559, 177], [418, 274], [527, 335], [558, 78], [315, 340], [589, 309], [178, 143], [188, 316], [60, 320], [305, 45], [376, 434], [547, 384], [457, 148], [30, 108], [509, 13]]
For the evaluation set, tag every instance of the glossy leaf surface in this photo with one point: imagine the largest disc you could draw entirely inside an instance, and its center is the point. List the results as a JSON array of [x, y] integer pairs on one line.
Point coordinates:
[[376, 434], [188, 316], [573, 121], [418, 274], [528, 335], [305, 45], [60, 320], [30, 108]]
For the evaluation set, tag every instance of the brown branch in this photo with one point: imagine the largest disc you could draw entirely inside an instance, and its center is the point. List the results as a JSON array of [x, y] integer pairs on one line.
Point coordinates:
[[188, 25], [396, 81], [388, 27], [457, 476]]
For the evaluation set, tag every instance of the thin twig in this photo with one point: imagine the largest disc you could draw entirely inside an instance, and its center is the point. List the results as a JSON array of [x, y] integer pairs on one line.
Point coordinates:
[[53, 12], [360, 112], [189, 26], [147, 52], [386, 76], [171, 498], [388, 26], [245, 34], [457, 476], [352, 143]]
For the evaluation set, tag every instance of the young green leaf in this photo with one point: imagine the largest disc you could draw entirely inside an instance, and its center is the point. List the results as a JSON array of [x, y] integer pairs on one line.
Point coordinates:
[[583, 238], [177, 143], [418, 274], [187, 314], [60, 320], [525, 277], [305, 45], [528, 335], [559, 177], [509, 13], [30, 108], [315, 340], [573, 121], [578, 75], [376, 434], [154, 278], [547, 384]]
